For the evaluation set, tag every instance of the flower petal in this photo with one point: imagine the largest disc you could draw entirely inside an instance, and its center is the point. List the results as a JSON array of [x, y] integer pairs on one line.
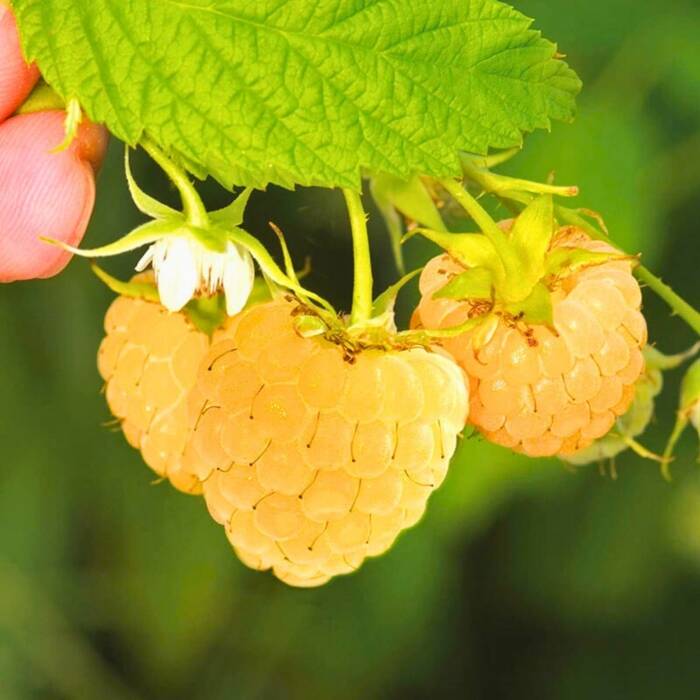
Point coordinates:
[[239, 277], [177, 275], [146, 259]]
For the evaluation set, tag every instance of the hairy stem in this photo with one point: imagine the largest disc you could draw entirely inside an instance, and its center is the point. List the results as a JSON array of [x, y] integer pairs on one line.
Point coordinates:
[[192, 205], [477, 212], [681, 307], [362, 286]]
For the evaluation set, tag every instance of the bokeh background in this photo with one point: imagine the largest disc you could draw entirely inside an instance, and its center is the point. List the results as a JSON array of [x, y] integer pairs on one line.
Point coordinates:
[[525, 579]]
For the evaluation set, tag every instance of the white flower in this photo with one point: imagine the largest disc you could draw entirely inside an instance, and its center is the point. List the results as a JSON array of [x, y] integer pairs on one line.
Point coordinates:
[[183, 267]]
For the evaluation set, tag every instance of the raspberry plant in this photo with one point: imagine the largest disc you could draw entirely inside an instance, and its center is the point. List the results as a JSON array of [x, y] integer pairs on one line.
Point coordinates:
[[317, 436]]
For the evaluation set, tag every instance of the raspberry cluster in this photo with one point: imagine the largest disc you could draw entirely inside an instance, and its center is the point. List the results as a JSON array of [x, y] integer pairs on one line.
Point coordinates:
[[549, 391], [313, 458]]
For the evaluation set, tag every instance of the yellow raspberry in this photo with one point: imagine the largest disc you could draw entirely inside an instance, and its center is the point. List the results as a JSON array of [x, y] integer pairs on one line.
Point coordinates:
[[149, 360], [543, 391], [314, 459]]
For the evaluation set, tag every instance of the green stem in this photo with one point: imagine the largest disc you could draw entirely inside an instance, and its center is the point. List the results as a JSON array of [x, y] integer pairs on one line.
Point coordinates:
[[481, 217], [362, 286], [681, 307], [192, 205], [679, 427]]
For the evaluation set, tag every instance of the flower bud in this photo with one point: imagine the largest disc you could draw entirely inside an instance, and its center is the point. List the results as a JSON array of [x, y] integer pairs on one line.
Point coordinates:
[[44, 193], [17, 77]]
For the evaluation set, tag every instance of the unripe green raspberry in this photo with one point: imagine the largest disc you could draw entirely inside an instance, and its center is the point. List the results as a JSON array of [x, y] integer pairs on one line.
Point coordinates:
[[313, 458], [543, 391]]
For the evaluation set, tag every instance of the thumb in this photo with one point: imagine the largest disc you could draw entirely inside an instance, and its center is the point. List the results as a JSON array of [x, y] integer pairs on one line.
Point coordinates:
[[17, 78], [44, 193]]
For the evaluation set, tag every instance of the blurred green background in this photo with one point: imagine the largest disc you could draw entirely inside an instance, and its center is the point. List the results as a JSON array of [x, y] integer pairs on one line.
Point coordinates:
[[524, 579]]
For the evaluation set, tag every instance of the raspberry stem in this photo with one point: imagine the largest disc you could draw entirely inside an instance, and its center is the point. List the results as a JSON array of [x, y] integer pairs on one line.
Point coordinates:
[[192, 205], [362, 285], [477, 212]]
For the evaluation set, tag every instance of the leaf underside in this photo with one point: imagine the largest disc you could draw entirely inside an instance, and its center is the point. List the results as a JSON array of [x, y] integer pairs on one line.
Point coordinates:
[[306, 92]]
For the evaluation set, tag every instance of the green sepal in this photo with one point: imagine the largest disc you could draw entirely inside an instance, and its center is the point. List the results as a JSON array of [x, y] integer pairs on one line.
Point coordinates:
[[688, 412], [392, 221], [213, 237], [309, 326], [410, 197], [658, 360], [74, 115], [474, 283], [136, 290], [386, 301], [261, 292], [469, 249], [536, 309], [426, 335], [270, 268], [43, 98], [207, 313], [232, 215], [144, 202], [690, 387], [142, 235], [529, 241], [286, 255], [565, 261]]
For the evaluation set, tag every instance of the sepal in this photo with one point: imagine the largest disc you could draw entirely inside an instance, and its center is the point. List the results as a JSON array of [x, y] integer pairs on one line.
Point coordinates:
[[562, 262], [135, 290], [688, 411], [385, 302], [410, 197], [232, 215], [530, 239], [474, 283], [469, 249], [536, 309], [144, 202], [142, 235]]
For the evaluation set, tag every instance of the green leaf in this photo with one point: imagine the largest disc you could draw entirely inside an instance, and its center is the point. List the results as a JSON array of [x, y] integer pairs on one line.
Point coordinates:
[[303, 91], [474, 283]]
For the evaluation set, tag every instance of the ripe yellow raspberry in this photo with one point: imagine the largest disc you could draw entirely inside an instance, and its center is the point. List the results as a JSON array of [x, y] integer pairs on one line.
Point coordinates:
[[543, 391], [149, 360], [311, 457]]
